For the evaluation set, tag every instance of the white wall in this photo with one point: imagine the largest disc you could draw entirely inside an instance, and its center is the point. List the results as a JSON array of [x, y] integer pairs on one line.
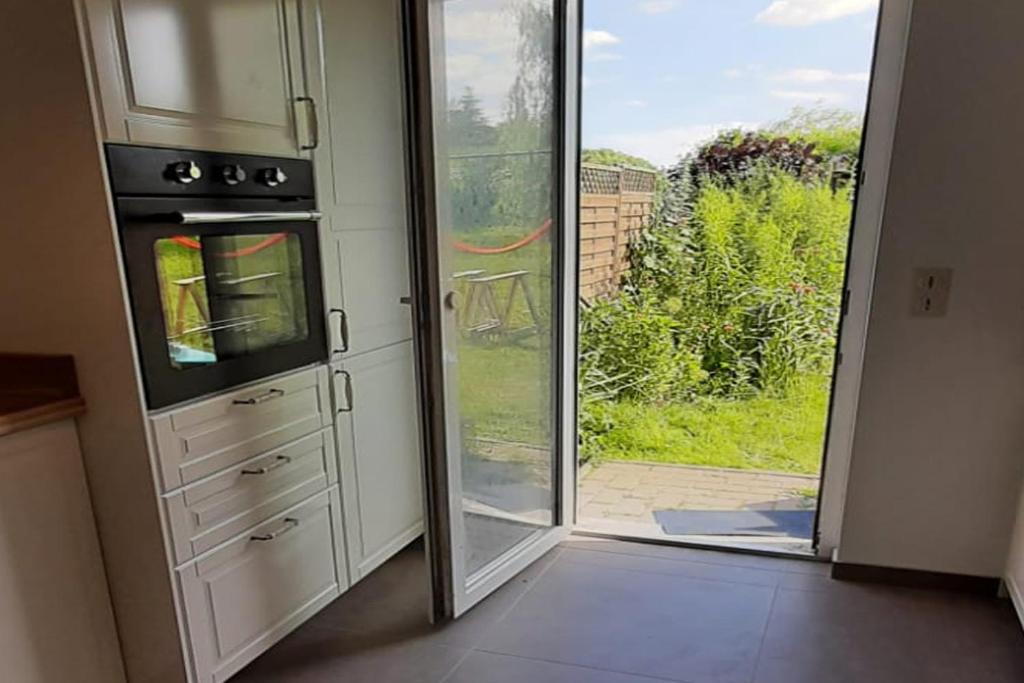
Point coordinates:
[[60, 292], [938, 451], [1015, 565]]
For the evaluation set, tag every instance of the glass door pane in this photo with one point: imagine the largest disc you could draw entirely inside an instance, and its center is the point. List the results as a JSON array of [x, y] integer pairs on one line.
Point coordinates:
[[498, 245], [497, 165]]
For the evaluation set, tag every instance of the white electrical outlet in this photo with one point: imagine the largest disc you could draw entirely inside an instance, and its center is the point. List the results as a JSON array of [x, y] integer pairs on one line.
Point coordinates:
[[931, 292]]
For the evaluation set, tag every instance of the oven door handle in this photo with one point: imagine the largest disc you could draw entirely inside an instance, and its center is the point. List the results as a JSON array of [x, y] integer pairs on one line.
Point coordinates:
[[193, 217]]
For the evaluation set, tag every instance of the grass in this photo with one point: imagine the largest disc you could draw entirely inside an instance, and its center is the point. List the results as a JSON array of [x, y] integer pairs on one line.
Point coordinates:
[[504, 395], [504, 381], [504, 392], [763, 433]]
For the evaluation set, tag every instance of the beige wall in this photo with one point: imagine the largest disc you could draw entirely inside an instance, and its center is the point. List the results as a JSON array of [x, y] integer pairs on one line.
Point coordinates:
[[1015, 565], [60, 291], [938, 450]]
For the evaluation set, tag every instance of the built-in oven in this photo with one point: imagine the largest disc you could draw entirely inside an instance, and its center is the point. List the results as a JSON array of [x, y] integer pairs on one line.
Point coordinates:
[[222, 261]]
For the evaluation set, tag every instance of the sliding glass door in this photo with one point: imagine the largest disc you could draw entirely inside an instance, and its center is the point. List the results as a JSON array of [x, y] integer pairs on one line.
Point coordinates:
[[494, 138]]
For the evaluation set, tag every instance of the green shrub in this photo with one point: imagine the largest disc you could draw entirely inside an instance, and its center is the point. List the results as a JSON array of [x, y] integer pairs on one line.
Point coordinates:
[[752, 280], [639, 350]]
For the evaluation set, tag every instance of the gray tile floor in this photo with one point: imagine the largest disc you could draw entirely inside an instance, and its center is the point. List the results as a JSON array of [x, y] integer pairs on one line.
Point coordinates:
[[596, 611]]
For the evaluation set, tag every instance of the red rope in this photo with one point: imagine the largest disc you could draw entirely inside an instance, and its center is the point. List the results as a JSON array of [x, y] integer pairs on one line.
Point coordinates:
[[533, 236], [244, 251], [190, 243]]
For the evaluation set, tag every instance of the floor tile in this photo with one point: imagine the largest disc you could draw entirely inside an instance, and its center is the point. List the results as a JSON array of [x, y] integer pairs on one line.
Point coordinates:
[[316, 655], [392, 603], [677, 567], [486, 667], [886, 635], [671, 627], [734, 559]]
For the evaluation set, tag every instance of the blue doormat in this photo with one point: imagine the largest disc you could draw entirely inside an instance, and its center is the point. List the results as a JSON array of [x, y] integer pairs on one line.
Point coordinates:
[[792, 523]]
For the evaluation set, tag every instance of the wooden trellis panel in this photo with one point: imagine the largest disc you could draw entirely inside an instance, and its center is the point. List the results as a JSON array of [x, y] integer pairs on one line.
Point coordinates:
[[616, 204]]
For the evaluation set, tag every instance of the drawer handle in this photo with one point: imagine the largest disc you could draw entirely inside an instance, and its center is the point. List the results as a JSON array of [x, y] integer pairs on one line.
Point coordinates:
[[279, 461], [343, 329], [289, 524], [347, 408], [262, 398]]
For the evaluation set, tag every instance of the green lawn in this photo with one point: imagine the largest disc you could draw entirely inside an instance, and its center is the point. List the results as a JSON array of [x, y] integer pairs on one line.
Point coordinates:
[[762, 433], [504, 395]]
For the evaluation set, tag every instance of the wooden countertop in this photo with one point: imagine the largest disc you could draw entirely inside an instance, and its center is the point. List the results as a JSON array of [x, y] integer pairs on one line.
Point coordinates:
[[35, 390]]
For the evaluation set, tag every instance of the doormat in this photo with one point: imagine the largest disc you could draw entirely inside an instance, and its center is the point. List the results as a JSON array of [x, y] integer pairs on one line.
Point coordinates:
[[791, 523]]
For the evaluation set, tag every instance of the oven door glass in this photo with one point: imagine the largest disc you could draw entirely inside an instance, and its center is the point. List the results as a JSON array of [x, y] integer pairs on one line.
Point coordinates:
[[228, 296]]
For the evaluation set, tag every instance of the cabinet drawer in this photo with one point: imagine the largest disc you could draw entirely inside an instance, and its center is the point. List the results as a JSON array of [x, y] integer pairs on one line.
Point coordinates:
[[204, 438], [209, 512], [243, 597]]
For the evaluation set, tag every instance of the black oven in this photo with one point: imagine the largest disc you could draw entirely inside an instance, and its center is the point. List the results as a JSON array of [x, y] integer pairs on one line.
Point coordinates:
[[223, 267]]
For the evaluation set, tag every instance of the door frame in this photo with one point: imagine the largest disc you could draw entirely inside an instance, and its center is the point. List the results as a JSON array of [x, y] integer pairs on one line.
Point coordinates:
[[449, 594], [881, 118]]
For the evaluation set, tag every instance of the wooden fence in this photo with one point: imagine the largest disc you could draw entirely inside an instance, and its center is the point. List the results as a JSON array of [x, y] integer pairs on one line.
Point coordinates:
[[615, 205]]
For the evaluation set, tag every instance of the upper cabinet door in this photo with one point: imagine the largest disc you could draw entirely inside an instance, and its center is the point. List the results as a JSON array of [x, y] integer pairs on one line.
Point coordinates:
[[209, 74]]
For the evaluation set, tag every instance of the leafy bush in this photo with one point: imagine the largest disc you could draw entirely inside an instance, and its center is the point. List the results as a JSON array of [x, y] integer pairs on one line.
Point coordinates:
[[639, 350], [736, 291], [734, 156], [834, 132]]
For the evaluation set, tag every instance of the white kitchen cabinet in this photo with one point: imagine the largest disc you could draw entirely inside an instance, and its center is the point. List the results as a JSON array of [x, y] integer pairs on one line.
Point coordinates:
[[209, 74], [56, 622], [379, 451], [360, 166], [248, 593], [369, 283]]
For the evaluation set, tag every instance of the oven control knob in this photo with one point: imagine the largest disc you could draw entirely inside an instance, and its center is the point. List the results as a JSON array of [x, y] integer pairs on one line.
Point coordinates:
[[232, 174], [186, 172], [272, 177]]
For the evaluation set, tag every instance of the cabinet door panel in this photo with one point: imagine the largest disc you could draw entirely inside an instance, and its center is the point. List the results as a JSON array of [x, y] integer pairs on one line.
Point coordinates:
[[244, 596], [374, 278], [216, 74], [379, 451], [360, 171]]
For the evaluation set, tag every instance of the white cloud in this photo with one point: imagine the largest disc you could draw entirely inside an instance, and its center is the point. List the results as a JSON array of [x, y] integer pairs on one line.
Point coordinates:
[[819, 76], [733, 73], [664, 146], [636, 104], [657, 6], [595, 38], [808, 12], [826, 97], [595, 44]]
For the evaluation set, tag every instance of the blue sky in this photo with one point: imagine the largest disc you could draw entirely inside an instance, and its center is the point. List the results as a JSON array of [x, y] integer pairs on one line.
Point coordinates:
[[661, 76]]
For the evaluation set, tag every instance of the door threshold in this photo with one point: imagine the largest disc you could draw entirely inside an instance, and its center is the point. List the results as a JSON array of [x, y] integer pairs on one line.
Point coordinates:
[[745, 545]]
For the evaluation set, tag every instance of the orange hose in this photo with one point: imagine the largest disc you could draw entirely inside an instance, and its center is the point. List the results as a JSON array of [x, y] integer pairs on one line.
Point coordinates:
[[533, 236], [461, 246], [244, 251]]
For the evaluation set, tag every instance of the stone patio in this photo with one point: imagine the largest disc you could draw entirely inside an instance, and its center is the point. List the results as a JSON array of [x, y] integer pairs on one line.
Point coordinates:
[[622, 497]]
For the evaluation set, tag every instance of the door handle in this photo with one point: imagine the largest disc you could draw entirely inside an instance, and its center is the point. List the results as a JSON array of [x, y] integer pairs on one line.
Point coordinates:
[[289, 524], [193, 217], [343, 329], [262, 398], [278, 461], [348, 391], [312, 120]]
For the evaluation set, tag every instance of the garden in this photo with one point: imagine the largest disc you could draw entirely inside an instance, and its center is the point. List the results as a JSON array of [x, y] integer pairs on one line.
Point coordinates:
[[718, 348]]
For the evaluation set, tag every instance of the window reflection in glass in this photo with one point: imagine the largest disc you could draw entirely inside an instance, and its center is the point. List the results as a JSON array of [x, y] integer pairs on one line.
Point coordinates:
[[226, 296], [495, 168]]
